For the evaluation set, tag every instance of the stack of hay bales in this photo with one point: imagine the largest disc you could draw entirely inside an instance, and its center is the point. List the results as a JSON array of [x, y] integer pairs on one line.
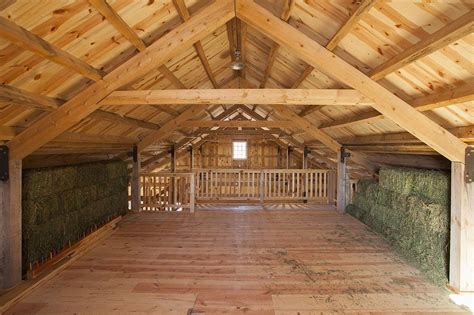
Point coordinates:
[[61, 204], [410, 207]]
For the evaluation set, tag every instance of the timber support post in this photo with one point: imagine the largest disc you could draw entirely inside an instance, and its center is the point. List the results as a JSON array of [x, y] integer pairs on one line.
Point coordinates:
[[135, 182], [461, 262], [10, 223], [191, 158], [341, 179]]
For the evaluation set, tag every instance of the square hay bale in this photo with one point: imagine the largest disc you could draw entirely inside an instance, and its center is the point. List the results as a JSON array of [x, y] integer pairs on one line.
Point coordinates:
[[406, 209], [398, 179], [61, 204]]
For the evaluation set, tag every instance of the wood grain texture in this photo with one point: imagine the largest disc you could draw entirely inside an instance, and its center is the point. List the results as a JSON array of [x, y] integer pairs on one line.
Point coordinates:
[[240, 262], [29, 41]]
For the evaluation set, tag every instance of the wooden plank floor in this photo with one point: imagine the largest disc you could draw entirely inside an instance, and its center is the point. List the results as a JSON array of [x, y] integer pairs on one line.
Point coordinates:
[[249, 262]]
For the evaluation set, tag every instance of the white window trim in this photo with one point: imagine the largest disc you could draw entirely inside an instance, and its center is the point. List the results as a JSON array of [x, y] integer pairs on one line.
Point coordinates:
[[233, 150]]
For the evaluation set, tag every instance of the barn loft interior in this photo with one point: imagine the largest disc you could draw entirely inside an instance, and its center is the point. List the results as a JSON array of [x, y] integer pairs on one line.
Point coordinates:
[[236, 156]]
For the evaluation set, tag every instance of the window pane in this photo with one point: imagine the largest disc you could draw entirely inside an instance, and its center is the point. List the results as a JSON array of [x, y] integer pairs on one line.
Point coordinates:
[[239, 150]]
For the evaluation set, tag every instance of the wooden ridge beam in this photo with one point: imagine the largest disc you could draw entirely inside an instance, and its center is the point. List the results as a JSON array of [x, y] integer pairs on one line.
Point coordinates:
[[87, 101], [29, 41], [464, 93], [240, 123], [386, 102], [183, 12], [455, 30], [239, 96], [118, 23]]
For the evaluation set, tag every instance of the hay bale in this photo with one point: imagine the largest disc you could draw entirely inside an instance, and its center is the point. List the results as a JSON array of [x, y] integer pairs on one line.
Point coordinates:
[[410, 208], [431, 185], [61, 204]]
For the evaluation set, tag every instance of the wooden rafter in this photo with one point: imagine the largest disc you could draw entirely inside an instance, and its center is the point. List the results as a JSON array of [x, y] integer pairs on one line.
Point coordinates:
[[385, 102], [345, 29], [118, 23], [455, 30], [149, 163], [168, 74], [464, 93], [285, 16], [306, 125], [185, 16], [239, 96], [363, 8], [170, 126], [29, 41], [84, 103], [242, 43]]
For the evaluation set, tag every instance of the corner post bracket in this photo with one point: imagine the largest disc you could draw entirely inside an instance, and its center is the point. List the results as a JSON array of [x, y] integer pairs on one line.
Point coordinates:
[[469, 168], [4, 167]]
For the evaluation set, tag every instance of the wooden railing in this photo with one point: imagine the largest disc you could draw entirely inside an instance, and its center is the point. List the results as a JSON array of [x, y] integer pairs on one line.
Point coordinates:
[[294, 185], [167, 191]]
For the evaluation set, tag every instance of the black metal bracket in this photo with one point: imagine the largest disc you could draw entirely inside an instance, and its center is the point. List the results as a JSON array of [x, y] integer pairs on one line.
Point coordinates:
[[307, 151], [135, 153], [344, 155], [469, 167], [4, 170]]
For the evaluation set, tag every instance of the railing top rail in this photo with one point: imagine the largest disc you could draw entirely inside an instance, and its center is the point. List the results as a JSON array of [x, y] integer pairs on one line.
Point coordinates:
[[263, 170], [179, 174]]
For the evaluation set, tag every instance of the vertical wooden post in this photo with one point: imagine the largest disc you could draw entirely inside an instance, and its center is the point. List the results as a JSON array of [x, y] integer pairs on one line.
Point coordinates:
[[135, 182], [288, 155], [174, 187], [341, 181], [331, 187], [279, 162], [192, 191], [10, 227], [261, 188], [191, 158], [305, 157], [461, 262]]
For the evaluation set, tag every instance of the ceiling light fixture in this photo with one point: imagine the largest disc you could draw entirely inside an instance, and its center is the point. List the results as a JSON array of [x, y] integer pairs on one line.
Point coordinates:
[[237, 65]]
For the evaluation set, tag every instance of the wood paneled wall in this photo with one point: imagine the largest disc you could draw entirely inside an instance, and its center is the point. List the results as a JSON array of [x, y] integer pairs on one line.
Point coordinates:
[[217, 153]]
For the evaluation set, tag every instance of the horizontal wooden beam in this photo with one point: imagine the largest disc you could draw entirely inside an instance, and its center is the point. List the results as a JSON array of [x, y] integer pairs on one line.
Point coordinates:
[[240, 123], [239, 96], [8, 133], [29, 41], [36, 161], [385, 101], [19, 97], [455, 30], [464, 93], [464, 133], [87, 101]]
